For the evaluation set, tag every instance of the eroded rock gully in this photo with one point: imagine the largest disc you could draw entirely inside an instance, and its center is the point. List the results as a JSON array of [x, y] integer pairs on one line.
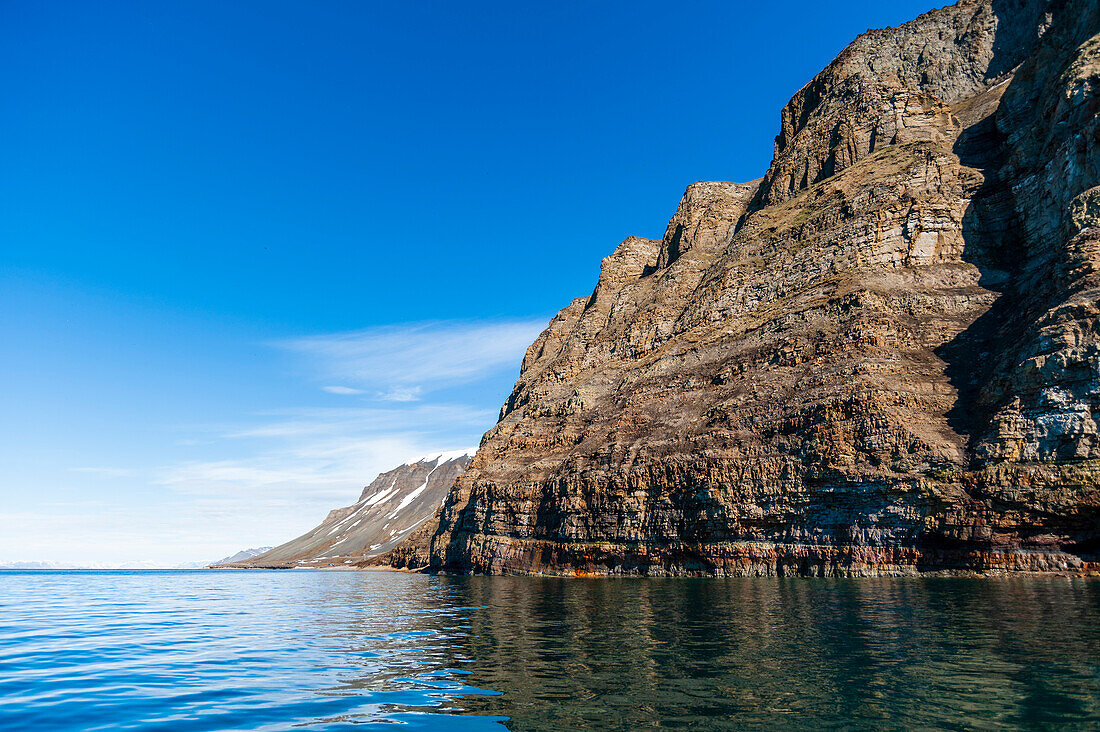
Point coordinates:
[[881, 358]]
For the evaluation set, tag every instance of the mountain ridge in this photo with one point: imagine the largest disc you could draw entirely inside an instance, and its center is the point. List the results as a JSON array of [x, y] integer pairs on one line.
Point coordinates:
[[880, 358], [354, 536]]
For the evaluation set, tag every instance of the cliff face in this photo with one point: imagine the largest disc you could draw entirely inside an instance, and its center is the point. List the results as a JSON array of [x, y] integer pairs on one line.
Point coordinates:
[[388, 511], [882, 357]]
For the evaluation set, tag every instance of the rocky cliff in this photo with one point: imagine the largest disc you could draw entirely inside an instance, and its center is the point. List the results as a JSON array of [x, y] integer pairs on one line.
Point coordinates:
[[882, 357], [388, 511]]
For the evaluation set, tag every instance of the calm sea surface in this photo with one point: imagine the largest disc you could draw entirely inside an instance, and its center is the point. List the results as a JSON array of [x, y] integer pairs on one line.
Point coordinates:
[[214, 650]]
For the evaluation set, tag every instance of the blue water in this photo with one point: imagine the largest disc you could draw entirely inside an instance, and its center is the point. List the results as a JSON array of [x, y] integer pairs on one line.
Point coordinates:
[[216, 650]]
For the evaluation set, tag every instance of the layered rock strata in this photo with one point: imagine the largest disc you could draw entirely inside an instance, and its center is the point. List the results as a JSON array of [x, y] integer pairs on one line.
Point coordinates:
[[881, 358]]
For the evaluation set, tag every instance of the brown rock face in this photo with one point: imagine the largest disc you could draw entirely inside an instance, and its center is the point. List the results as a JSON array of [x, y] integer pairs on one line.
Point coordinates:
[[881, 358]]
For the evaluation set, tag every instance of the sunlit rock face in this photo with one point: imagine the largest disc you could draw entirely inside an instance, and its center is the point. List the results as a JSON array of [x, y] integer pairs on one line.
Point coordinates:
[[880, 358], [389, 510]]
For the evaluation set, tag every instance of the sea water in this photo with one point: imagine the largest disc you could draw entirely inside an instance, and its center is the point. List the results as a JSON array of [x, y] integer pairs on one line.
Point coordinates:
[[277, 650]]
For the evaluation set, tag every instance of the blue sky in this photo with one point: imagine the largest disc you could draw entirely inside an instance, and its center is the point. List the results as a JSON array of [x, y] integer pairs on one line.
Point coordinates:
[[252, 253]]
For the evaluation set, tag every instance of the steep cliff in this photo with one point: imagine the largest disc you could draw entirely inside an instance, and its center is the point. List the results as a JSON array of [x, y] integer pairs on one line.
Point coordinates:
[[388, 511], [882, 357]]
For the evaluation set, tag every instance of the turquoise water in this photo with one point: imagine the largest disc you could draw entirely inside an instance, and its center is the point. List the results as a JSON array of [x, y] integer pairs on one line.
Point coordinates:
[[214, 650]]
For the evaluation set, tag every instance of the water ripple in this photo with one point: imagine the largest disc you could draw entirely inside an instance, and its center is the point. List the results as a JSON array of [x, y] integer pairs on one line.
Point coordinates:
[[227, 650]]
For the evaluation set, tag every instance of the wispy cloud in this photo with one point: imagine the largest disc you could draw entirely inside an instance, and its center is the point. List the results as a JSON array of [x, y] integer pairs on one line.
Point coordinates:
[[403, 362], [297, 464], [320, 446], [355, 422], [265, 477], [401, 394], [341, 390]]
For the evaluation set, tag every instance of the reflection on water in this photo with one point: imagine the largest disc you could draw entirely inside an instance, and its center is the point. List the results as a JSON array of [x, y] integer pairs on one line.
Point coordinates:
[[271, 650], [731, 654]]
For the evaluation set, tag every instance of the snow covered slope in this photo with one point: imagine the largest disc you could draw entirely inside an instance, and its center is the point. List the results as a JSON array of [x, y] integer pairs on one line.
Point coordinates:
[[239, 556], [388, 510]]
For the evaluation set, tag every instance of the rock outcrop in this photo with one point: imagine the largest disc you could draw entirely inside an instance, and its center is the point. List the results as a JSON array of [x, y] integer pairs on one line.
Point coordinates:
[[388, 511], [881, 358]]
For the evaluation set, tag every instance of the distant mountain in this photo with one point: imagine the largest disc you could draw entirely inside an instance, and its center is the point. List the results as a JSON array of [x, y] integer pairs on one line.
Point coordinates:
[[35, 565], [97, 565], [240, 556], [389, 509]]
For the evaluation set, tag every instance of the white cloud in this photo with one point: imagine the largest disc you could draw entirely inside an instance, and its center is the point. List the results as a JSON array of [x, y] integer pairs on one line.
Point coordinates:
[[264, 478], [401, 394], [401, 362], [307, 452], [341, 390], [353, 422], [324, 475], [295, 465]]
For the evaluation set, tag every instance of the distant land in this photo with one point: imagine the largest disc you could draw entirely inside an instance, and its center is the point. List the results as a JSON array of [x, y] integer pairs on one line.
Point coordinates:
[[390, 510], [244, 554]]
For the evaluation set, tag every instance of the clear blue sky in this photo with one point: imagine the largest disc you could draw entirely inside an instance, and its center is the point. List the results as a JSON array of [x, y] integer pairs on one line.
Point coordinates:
[[251, 253]]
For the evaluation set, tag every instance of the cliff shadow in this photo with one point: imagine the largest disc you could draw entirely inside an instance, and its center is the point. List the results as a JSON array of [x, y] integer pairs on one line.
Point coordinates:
[[992, 243]]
